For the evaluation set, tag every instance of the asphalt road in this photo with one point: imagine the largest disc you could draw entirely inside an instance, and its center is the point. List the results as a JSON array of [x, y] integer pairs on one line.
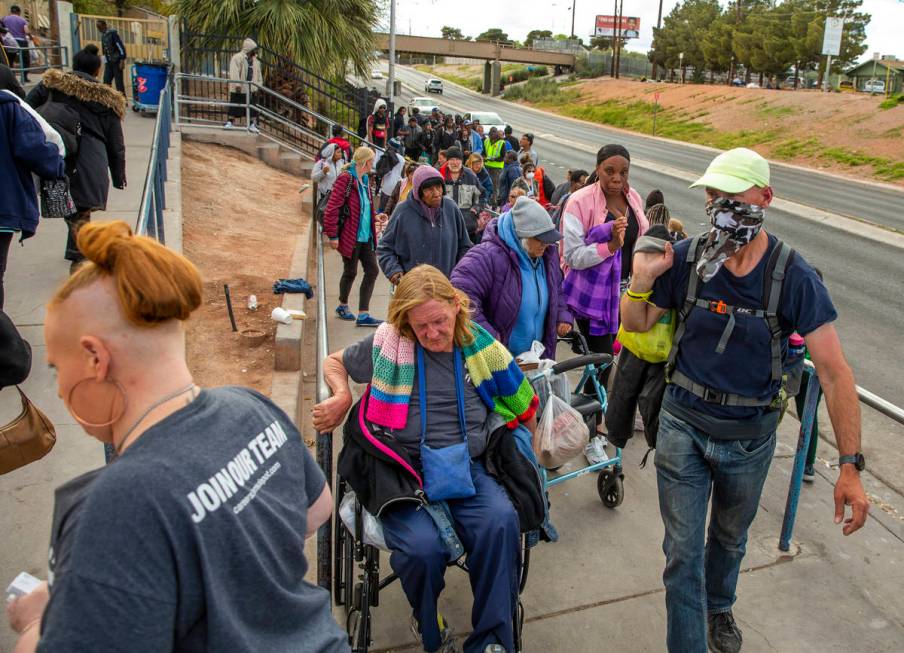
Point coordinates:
[[864, 276], [879, 204]]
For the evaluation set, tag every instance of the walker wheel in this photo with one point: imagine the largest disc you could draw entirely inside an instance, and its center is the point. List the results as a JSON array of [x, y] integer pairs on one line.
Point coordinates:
[[611, 488]]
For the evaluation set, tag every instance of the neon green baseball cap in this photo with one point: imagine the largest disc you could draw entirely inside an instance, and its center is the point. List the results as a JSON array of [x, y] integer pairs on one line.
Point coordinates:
[[735, 171]]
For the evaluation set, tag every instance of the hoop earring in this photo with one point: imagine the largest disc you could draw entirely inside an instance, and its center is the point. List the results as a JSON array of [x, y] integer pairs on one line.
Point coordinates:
[[83, 422]]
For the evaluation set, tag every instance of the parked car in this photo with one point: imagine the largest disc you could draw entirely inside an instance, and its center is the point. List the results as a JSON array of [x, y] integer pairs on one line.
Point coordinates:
[[433, 86], [376, 74], [874, 86], [487, 119], [424, 104]]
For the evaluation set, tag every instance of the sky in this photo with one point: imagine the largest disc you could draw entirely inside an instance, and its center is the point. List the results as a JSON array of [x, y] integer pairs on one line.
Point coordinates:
[[425, 18]]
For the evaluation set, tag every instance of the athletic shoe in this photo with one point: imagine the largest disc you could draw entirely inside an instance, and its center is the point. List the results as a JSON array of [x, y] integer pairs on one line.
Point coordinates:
[[365, 320], [809, 474], [445, 633], [228, 125], [494, 648], [724, 635], [253, 128], [343, 313]]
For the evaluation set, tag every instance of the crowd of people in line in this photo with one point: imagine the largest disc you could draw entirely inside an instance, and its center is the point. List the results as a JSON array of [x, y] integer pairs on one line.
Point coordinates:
[[526, 260], [193, 537]]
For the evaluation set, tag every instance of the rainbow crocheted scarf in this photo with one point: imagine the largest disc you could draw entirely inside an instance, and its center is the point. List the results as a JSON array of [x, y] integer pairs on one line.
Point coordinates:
[[492, 370]]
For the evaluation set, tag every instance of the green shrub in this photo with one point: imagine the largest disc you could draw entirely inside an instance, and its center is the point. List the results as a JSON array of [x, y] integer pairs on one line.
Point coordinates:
[[892, 102]]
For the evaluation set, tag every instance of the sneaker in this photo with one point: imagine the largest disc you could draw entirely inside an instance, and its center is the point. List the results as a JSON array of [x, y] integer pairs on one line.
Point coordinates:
[[228, 125], [809, 474], [445, 633], [595, 450], [365, 320], [724, 635], [253, 128], [494, 648], [343, 313]]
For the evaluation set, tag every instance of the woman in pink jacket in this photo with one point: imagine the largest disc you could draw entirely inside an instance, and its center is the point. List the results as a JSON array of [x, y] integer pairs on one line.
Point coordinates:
[[602, 222]]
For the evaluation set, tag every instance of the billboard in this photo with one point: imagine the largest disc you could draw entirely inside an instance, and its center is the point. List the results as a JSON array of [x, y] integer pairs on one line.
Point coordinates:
[[605, 26], [831, 38]]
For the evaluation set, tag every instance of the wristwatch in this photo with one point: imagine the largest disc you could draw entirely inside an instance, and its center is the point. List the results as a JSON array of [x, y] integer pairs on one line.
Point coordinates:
[[857, 460]]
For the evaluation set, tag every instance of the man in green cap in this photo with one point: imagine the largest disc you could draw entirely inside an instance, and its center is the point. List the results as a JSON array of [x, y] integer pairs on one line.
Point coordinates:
[[739, 293]]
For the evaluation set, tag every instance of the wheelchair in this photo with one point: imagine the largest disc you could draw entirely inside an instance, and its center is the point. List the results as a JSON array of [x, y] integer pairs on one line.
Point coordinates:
[[357, 582]]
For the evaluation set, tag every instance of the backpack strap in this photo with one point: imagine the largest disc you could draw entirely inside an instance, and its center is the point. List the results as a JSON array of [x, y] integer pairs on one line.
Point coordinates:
[[773, 281], [693, 252]]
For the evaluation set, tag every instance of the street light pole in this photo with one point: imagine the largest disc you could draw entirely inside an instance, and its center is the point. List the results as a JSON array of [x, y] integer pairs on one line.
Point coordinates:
[[390, 91]]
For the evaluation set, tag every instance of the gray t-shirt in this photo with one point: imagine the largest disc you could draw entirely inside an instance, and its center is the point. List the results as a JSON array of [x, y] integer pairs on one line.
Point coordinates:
[[193, 540], [442, 406]]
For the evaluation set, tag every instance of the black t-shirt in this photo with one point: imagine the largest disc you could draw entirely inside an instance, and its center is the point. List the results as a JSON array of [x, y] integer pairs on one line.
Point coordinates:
[[627, 250], [745, 368], [193, 540]]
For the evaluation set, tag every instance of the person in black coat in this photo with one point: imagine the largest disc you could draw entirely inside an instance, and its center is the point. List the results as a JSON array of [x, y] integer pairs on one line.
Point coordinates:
[[101, 145], [8, 81], [15, 354]]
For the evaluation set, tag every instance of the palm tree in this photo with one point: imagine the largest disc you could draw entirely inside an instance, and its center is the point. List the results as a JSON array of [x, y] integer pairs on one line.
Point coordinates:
[[321, 35]]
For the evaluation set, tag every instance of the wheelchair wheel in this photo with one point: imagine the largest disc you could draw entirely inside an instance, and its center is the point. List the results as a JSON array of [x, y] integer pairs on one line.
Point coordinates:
[[611, 488]]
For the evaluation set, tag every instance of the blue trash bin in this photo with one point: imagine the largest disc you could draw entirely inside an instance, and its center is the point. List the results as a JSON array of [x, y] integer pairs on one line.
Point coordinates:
[[148, 80]]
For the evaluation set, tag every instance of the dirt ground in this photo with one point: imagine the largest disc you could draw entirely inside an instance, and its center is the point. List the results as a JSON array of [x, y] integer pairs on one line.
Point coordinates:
[[240, 223], [851, 121]]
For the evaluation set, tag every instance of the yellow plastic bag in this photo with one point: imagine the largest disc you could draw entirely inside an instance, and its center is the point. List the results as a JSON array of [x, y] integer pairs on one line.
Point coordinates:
[[654, 345]]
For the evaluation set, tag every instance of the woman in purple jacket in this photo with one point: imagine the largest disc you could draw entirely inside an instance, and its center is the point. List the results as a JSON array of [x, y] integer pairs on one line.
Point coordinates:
[[514, 282]]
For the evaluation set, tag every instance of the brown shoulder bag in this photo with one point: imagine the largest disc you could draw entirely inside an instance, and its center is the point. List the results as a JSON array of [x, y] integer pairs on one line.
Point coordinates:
[[25, 439]]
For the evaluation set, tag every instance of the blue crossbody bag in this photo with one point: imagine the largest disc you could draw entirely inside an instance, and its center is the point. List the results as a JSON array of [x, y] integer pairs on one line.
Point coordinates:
[[447, 471]]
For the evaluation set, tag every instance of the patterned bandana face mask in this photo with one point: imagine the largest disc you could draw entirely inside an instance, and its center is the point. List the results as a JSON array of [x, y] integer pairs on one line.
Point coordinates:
[[735, 224]]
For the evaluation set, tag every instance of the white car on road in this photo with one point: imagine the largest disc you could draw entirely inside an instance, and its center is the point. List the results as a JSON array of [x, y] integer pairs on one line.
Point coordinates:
[[488, 119], [424, 104], [433, 86]]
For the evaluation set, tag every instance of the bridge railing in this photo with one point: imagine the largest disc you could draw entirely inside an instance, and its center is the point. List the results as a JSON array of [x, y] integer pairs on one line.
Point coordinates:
[[153, 197]]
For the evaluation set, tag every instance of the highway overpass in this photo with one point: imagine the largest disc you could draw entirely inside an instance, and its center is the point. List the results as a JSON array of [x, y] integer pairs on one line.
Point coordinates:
[[474, 50]]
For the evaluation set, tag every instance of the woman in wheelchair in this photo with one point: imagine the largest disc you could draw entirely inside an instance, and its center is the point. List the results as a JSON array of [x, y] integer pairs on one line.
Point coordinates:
[[436, 425]]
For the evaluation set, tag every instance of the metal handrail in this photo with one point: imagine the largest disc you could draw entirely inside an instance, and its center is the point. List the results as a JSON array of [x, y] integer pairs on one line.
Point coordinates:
[[807, 420], [324, 440], [253, 87], [153, 196], [52, 52]]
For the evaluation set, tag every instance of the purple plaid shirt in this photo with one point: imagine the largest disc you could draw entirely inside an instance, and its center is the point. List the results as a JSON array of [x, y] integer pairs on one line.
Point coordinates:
[[593, 293]]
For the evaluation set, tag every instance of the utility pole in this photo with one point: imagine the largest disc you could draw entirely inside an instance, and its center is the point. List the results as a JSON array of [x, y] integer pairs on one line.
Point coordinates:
[[390, 82], [618, 31], [614, 18], [573, 5], [658, 27]]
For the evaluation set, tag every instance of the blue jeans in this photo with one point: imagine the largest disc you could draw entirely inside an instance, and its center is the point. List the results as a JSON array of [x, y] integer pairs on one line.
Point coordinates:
[[690, 465], [488, 527]]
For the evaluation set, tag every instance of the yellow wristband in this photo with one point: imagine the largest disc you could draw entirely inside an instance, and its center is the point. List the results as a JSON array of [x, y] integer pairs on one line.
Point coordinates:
[[639, 296]]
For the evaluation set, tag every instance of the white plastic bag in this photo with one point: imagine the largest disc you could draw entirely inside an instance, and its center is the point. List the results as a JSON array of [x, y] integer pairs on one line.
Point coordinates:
[[562, 433], [531, 357], [373, 529]]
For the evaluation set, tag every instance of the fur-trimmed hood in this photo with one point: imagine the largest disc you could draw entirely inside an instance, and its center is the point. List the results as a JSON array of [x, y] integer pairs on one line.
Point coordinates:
[[86, 89]]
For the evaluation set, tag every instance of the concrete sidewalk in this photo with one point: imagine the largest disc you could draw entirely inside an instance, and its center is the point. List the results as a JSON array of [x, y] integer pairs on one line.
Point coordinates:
[[600, 588], [35, 270]]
